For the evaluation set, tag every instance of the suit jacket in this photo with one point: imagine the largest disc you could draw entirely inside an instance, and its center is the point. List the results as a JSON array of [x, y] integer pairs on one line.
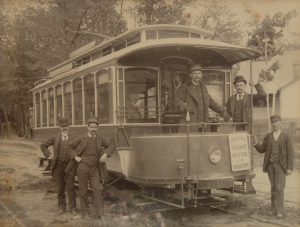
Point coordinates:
[[230, 104], [186, 99], [54, 141], [286, 151], [77, 147]]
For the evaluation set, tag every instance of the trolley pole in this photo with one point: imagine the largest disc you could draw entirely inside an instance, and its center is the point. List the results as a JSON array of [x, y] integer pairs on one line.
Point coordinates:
[[251, 128], [188, 119]]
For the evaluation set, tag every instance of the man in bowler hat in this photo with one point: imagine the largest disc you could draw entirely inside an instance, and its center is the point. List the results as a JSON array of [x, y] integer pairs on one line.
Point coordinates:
[[88, 151], [195, 99], [59, 163], [238, 106], [278, 162]]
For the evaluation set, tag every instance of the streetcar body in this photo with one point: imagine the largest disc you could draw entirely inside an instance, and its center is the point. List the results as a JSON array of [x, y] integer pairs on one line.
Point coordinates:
[[128, 83]]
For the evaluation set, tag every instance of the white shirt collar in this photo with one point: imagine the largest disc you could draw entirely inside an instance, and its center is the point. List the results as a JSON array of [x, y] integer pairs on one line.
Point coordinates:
[[195, 83], [65, 134], [90, 135], [276, 134], [240, 96]]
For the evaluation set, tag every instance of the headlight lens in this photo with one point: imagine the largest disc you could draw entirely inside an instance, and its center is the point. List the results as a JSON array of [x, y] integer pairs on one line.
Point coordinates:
[[215, 156]]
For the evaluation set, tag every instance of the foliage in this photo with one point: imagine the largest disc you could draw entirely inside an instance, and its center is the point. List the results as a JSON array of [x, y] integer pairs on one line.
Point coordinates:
[[217, 17], [42, 35], [267, 34], [267, 37], [160, 12]]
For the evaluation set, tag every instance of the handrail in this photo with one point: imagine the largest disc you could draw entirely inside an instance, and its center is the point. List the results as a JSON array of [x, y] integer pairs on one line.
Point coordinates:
[[190, 124]]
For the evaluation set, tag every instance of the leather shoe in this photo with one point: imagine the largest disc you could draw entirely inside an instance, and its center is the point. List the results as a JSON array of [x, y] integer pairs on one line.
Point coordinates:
[[61, 210], [272, 213], [279, 215]]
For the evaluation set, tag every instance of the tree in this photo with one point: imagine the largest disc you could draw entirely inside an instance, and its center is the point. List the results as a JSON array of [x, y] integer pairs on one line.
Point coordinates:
[[216, 16], [267, 37], [42, 36], [160, 12]]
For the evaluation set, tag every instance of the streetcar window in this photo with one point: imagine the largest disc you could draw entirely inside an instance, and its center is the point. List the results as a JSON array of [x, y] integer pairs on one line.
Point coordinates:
[[51, 106], [38, 110], [163, 34], [121, 95], [77, 88], [104, 97], [151, 34], [141, 95], [89, 96], [58, 90], [107, 51], [44, 109], [120, 45], [214, 81], [135, 38], [68, 100], [195, 35]]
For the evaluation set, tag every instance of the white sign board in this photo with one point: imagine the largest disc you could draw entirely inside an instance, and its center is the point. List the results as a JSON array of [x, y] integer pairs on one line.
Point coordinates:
[[239, 153]]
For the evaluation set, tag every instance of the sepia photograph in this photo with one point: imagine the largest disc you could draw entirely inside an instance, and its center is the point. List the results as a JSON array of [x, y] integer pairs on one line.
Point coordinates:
[[158, 113]]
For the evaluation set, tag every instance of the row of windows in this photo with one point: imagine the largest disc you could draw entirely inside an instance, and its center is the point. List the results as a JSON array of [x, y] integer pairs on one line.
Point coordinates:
[[138, 96], [137, 99], [54, 103], [125, 42]]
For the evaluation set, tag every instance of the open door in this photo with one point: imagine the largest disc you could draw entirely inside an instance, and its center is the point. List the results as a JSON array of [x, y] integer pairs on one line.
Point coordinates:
[[174, 73]]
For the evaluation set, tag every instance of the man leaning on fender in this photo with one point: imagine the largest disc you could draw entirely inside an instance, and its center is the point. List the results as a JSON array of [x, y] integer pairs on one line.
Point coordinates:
[[278, 162], [88, 152]]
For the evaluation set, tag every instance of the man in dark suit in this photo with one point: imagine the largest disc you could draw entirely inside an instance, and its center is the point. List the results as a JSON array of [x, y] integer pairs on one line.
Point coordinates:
[[59, 163], [239, 107], [278, 162], [195, 99], [88, 152]]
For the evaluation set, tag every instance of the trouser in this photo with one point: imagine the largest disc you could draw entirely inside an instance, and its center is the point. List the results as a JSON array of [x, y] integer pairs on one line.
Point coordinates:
[[89, 175], [277, 179], [64, 181]]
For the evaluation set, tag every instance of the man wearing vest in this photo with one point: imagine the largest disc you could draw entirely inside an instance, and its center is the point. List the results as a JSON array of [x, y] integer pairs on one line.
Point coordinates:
[[88, 152], [238, 106], [278, 162], [59, 163]]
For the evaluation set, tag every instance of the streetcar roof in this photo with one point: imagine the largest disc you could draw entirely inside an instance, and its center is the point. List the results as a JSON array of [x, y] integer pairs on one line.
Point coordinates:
[[230, 54]]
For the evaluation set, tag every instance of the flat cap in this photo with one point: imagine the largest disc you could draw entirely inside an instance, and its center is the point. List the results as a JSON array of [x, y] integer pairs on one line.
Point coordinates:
[[275, 118], [93, 120], [196, 67], [64, 121], [239, 79]]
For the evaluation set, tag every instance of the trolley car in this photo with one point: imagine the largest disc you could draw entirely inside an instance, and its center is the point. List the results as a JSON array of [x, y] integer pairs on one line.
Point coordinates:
[[129, 83]]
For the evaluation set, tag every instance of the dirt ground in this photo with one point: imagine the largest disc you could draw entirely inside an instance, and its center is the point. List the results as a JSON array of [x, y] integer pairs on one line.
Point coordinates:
[[27, 198]]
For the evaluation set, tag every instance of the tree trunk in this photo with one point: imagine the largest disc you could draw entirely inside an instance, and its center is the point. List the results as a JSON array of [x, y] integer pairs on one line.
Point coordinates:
[[268, 111]]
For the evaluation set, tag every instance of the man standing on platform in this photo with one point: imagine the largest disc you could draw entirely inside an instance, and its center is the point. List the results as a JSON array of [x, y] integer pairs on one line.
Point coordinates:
[[238, 106], [88, 152], [278, 162], [195, 99], [59, 163]]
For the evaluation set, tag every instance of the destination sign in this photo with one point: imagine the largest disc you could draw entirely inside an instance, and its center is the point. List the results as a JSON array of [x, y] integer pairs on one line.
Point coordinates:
[[238, 145]]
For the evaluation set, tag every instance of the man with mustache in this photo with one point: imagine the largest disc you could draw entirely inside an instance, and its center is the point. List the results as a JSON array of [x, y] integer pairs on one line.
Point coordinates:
[[238, 106], [88, 152], [59, 163], [195, 99]]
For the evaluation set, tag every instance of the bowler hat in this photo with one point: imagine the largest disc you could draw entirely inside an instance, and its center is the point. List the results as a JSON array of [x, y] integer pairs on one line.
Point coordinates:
[[275, 118], [93, 120], [196, 68], [239, 79], [63, 121]]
